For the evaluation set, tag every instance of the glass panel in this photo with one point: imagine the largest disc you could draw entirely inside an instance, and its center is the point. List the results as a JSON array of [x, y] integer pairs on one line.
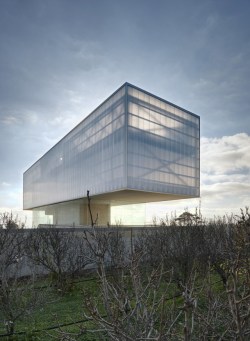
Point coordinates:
[[162, 152], [163, 148], [88, 158]]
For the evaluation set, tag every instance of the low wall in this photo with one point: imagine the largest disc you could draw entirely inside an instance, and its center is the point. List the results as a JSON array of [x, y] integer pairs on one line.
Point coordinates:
[[23, 265]]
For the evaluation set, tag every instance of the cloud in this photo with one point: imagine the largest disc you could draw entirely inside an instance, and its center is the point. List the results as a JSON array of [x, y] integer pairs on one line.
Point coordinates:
[[225, 173], [227, 155], [10, 196], [4, 184], [226, 189], [9, 120]]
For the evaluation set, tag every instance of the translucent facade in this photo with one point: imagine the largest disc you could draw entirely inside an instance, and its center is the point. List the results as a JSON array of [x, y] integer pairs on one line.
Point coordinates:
[[163, 146], [135, 147]]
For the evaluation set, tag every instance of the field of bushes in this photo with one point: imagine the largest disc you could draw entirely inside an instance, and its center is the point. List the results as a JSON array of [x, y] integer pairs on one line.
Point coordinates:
[[186, 279]]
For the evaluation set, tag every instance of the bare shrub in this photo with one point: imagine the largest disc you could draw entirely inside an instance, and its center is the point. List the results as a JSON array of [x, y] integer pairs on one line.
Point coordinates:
[[134, 309], [167, 285], [17, 295], [61, 253]]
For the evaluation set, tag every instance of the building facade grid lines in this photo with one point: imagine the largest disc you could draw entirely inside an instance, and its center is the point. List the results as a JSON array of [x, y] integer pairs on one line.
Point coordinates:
[[133, 142]]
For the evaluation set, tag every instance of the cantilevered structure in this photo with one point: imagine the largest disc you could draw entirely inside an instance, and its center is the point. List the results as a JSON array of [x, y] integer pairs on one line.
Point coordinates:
[[134, 148]]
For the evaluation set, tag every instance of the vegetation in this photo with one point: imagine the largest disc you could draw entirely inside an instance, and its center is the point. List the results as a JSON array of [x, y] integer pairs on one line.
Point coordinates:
[[10, 221], [184, 280]]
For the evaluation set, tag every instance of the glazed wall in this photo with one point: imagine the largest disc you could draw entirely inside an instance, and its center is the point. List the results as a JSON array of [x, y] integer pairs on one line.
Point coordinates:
[[134, 140], [163, 146], [90, 157], [71, 213]]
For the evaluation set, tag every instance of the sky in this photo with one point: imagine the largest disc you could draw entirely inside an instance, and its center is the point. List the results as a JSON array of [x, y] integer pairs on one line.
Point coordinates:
[[59, 59]]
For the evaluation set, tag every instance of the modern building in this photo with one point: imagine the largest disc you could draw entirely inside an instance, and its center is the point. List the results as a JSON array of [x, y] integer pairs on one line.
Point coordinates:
[[134, 148]]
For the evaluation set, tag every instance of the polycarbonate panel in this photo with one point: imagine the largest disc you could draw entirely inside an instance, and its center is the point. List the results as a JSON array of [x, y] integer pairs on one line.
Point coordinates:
[[163, 146], [134, 140], [91, 157]]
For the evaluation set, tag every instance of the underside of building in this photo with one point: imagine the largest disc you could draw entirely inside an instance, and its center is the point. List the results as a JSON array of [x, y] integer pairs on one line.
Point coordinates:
[[134, 148]]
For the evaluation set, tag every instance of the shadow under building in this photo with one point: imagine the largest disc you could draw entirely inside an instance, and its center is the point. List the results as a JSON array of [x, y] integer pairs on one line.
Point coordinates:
[[134, 148]]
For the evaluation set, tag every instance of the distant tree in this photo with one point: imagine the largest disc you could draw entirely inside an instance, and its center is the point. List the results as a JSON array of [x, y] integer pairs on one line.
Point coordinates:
[[10, 221], [187, 219]]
